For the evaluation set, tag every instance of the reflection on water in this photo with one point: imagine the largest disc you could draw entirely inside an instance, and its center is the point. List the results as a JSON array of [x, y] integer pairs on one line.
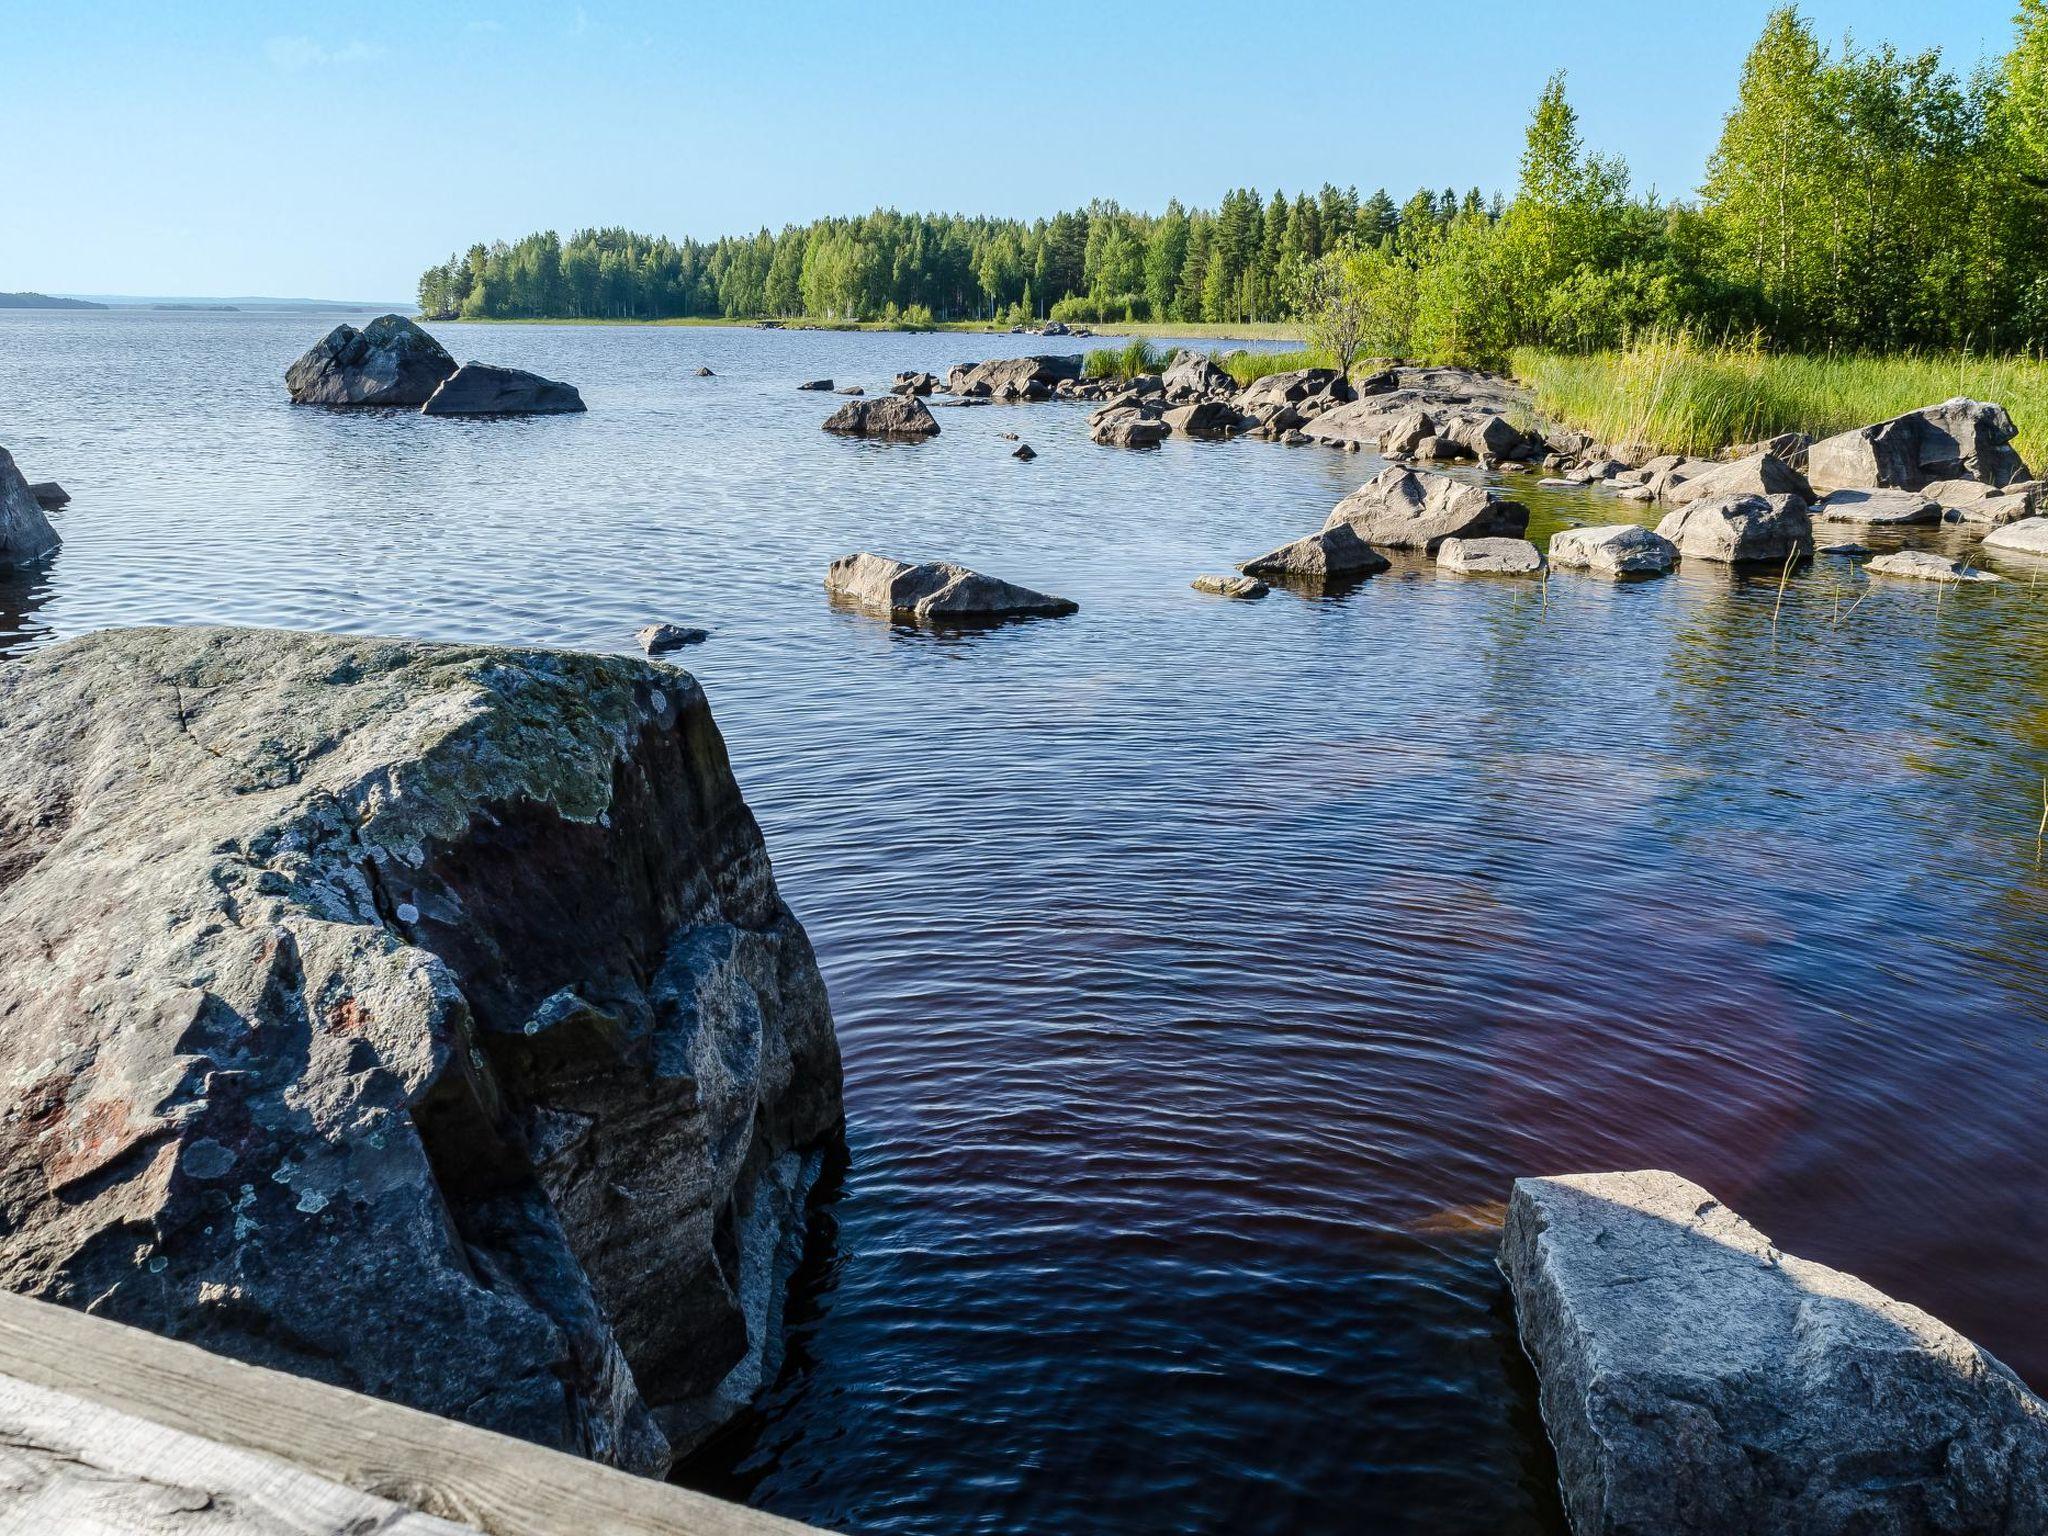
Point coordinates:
[[1205, 970]]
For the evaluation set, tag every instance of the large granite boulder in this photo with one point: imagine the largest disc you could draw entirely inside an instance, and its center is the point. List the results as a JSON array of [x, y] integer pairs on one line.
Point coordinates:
[[420, 1018], [1620, 550], [1412, 509], [1334, 551], [25, 533], [483, 389], [1956, 440], [1203, 418], [1014, 378], [2027, 536], [1698, 1381], [897, 416], [389, 362], [935, 592], [1737, 530], [1127, 426], [1880, 508], [1761, 474], [1192, 375]]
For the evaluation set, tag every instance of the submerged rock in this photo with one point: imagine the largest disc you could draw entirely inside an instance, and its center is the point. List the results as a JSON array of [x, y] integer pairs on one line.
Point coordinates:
[[1490, 557], [900, 416], [1230, 586], [1956, 440], [2029, 536], [1619, 549], [1877, 508], [1697, 1381], [935, 592], [25, 534], [484, 389], [1335, 551], [420, 1018], [657, 639], [389, 362], [1925, 565], [1737, 530], [1412, 509]]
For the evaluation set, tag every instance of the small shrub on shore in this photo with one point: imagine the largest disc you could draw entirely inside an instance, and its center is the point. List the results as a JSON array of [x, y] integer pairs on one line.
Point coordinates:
[[1671, 393], [1126, 362]]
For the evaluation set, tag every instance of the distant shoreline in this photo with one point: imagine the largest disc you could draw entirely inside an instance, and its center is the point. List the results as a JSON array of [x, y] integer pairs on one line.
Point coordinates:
[[1204, 330]]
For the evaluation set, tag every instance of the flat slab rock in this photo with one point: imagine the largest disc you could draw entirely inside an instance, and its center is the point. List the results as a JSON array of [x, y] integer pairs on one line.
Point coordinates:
[[422, 1019], [1490, 557], [1618, 550], [935, 592], [1925, 565], [1877, 508], [1230, 586], [2029, 536], [484, 389], [1698, 1381]]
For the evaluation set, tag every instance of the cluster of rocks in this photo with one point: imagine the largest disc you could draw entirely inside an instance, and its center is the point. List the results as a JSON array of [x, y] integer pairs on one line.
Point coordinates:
[[420, 1018], [391, 363], [1407, 509], [25, 532], [1697, 1380], [1195, 398]]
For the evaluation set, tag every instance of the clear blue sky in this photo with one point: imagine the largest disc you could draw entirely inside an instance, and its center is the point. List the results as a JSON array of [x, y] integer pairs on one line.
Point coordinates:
[[334, 150]]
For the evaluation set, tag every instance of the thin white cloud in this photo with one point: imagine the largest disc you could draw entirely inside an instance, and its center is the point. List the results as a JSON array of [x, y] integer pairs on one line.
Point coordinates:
[[300, 53]]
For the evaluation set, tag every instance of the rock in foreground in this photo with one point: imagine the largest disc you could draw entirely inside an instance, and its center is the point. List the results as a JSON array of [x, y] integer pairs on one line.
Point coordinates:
[[935, 592], [25, 534], [1924, 565], [421, 1018], [898, 416], [1740, 530], [2029, 536], [1490, 557], [389, 362], [1956, 440], [1697, 1382], [483, 389], [1412, 509]]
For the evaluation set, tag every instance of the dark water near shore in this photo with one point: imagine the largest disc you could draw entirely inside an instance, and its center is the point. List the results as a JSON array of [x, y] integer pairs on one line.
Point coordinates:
[[1205, 971]]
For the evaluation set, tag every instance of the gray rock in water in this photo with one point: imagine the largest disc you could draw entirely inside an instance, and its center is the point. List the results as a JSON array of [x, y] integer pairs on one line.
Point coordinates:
[[1738, 530], [1025, 452], [935, 592], [2029, 536], [389, 362], [25, 534], [1240, 587], [850, 389], [657, 639], [1618, 550], [1972, 501], [898, 416], [1697, 1381], [1015, 378], [1761, 474], [1490, 557], [1126, 426], [483, 389], [821, 386], [1204, 418], [1877, 508], [913, 384], [1925, 565], [706, 373], [420, 1018], [1956, 440], [49, 495], [1191, 376], [1335, 551], [1413, 509]]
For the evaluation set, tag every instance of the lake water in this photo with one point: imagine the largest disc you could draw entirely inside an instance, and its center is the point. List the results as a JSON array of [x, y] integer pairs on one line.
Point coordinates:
[[1205, 971]]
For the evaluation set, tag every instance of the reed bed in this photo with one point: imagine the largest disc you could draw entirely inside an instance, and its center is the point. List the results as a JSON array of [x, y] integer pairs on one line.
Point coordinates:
[[1676, 394], [1126, 362]]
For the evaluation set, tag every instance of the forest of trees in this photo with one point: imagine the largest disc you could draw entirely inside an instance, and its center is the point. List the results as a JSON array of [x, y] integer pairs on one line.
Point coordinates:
[[1859, 198]]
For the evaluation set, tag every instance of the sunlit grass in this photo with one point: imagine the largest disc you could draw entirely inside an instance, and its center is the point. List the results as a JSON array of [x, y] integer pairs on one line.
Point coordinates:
[[1673, 394], [1250, 367], [1125, 362]]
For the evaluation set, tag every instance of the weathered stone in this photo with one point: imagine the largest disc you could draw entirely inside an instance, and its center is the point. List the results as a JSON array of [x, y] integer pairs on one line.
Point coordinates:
[[819, 386], [1193, 375], [1877, 507], [658, 639], [1972, 501], [25, 534], [1335, 551], [1407, 432], [850, 389], [1761, 474], [935, 592], [1490, 557], [389, 362], [1740, 529], [1925, 565], [1204, 418], [1015, 378], [420, 1018], [1126, 426], [914, 384], [897, 416], [1025, 452], [1297, 387], [2029, 536], [49, 495], [1698, 1381], [1411, 509], [1956, 440], [1441, 448], [482, 389], [1483, 436], [1230, 586], [705, 373], [1619, 550], [1792, 447]]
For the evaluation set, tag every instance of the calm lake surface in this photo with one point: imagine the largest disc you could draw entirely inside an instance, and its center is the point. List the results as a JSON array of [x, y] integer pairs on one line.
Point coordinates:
[[1205, 971]]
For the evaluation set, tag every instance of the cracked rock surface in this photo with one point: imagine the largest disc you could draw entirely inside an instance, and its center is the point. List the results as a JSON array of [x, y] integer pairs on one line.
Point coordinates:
[[420, 1018], [1697, 1381]]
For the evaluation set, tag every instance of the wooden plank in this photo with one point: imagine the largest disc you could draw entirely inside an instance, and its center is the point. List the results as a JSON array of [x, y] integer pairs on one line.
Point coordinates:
[[472, 1477]]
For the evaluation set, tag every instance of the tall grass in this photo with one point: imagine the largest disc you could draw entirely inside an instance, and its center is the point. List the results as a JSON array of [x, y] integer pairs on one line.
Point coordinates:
[[1250, 367], [1126, 362], [1674, 394]]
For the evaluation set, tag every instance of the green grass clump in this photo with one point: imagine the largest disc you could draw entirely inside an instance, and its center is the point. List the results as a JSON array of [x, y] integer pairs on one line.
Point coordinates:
[[1671, 393], [1250, 367], [1125, 362]]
